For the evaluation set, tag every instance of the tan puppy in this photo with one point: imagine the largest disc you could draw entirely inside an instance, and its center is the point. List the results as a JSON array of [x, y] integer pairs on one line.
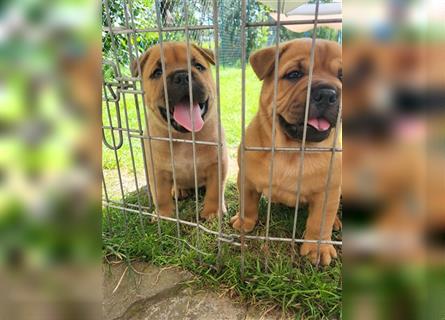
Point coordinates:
[[202, 119], [291, 99]]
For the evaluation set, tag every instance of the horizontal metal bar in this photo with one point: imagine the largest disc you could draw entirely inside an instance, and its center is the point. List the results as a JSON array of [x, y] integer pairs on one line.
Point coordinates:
[[130, 91], [124, 30], [229, 238], [122, 129], [140, 136], [207, 143], [104, 99], [290, 149], [291, 22], [125, 78]]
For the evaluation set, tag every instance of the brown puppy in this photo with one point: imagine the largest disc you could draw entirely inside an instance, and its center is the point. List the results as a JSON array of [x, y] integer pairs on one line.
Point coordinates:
[[202, 119], [323, 111]]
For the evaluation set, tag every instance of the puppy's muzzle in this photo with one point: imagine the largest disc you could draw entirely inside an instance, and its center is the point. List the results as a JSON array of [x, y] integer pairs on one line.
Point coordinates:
[[322, 117], [324, 106], [183, 116]]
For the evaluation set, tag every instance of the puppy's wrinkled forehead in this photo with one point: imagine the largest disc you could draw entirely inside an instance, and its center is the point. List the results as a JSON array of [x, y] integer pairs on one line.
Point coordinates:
[[297, 55], [175, 57]]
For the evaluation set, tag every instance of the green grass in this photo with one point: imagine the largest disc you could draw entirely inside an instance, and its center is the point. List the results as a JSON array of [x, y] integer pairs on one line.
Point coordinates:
[[230, 84], [300, 289]]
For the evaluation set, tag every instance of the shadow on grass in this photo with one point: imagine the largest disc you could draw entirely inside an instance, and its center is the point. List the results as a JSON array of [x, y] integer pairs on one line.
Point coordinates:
[[304, 290]]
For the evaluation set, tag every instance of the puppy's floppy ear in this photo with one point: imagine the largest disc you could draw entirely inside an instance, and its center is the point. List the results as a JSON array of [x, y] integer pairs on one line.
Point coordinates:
[[134, 64], [206, 53], [263, 61]]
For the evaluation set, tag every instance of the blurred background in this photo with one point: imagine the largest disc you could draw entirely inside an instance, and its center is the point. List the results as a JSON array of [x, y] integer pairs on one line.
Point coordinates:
[[393, 169], [394, 158], [50, 140]]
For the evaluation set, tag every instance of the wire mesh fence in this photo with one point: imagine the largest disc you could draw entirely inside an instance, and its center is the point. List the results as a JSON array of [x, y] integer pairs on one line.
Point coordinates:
[[225, 27]]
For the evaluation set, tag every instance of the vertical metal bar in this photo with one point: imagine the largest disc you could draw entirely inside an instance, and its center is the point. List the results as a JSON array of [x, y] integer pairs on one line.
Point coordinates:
[[303, 142], [116, 156], [113, 139], [158, 220], [133, 162], [243, 126], [110, 225], [220, 142], [328, 182], [170, 142], [144, 157], [189, 73], [274, 115]]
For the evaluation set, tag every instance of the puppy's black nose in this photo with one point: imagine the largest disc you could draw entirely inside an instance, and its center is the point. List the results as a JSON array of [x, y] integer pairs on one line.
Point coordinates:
[[180, 77], [324, 97]]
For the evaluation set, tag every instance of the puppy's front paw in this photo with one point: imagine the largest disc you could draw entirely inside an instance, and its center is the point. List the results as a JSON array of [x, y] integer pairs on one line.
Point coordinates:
[[327, 252], [209, 214], [164, 213], [246, 225]]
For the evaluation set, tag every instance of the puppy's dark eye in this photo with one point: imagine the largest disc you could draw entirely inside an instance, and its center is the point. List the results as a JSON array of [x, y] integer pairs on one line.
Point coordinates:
[[157, 73], [200, 67], [340, 75], [294, 75]]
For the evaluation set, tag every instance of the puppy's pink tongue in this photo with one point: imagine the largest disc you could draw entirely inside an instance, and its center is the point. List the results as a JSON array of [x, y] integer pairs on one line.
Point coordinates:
[[321, 124], [184, 118]]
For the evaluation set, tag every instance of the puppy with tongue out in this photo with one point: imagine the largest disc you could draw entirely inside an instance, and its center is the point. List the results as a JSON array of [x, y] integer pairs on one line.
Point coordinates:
[[291, 94], [185, 108]]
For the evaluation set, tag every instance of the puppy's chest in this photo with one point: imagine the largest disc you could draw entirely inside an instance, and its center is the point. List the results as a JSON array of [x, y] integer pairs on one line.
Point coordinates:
[[183, 160], [285, 178]]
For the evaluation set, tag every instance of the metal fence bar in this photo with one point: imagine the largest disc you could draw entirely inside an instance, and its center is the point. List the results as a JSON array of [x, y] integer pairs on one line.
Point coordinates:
[[144, 156], [133, 164], [118, 114], [207, 143], [254, 149], [140, 136], [111, 128], [169, 127], [292, 22], [132, 91], [220, 142], [243, 134], [303, 142], [124, 30], [116, 157], [225, 237], [328, 182], [189, 74], [110, 225], [296, 149], [274, 116]]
